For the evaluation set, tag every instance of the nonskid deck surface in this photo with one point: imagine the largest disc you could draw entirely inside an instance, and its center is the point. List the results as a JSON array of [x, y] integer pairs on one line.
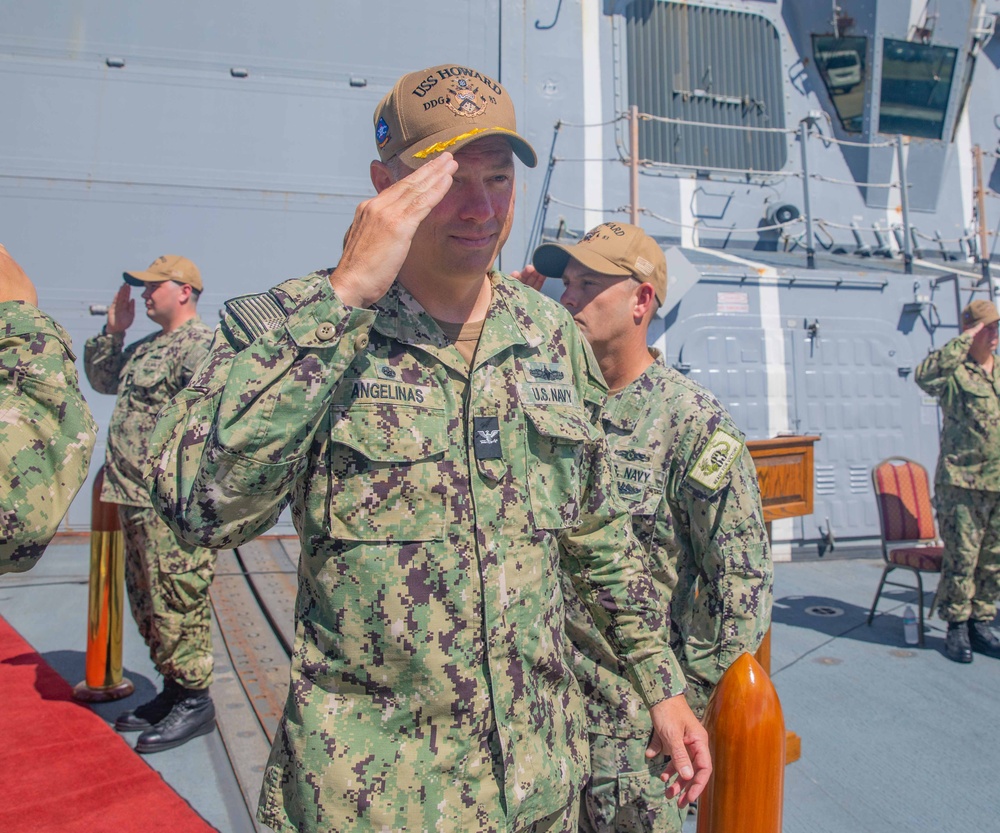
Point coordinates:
[[894, 738]]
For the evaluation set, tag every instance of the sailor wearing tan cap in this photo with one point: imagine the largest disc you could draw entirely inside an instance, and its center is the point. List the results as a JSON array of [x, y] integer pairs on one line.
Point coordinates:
[[964, 377], [429, 421], [167, 579], [687, 479]]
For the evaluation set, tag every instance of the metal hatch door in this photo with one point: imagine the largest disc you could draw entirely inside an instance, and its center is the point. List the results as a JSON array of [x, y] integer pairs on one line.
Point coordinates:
[[849, 381], [852, 384]]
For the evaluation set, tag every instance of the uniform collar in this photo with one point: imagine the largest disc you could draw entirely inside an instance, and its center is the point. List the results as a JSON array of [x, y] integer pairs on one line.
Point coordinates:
[[400, 317], [508, 322], [183, 328], [624, 408]]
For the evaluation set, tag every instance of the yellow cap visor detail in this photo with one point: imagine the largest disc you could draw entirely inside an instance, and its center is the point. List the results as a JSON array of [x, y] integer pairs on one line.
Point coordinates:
[[438, 147]]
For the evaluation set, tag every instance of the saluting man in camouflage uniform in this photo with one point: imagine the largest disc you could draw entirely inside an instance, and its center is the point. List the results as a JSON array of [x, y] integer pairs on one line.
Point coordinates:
[[966, 381], [167, 579], [428, 420], [46, 431], [683, 471]]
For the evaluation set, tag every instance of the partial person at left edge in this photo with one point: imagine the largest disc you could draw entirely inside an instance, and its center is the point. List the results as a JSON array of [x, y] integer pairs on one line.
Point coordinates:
[[46, 430]]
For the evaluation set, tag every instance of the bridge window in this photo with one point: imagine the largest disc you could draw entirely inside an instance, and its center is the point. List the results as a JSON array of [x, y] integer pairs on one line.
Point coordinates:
[[843, 65], [916, 84]]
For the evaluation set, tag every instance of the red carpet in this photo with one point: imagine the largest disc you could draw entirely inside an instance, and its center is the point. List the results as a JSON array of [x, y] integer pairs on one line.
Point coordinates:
[[64, 769]]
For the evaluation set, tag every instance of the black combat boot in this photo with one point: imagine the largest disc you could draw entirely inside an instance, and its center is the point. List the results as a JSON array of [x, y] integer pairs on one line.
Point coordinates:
[[193, 714], [956, 644], [151, 712], [981, 638]]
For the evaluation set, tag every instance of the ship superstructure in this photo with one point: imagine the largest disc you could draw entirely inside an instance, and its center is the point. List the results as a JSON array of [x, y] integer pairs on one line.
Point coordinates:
[[809, 166]]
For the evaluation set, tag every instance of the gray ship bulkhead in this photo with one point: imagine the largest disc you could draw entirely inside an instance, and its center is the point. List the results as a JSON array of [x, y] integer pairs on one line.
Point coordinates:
[[239, 135]]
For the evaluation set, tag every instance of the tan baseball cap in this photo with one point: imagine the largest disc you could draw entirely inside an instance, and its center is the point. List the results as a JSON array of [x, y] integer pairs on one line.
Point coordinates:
[[167, 268], [615, 249], [444, 108], [979, 312]]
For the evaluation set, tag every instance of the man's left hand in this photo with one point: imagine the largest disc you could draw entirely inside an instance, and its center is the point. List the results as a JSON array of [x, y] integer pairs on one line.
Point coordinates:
[[678, 733]]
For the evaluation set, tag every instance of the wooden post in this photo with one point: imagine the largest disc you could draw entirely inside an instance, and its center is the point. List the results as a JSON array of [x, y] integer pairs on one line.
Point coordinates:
[[103, 676], [746, 735]]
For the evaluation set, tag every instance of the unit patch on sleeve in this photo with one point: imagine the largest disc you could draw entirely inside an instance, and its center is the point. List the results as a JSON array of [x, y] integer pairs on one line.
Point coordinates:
[[256, 315], [715, 460]]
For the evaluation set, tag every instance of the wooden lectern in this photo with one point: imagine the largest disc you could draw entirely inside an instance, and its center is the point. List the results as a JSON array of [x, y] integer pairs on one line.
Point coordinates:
[[785, 474]]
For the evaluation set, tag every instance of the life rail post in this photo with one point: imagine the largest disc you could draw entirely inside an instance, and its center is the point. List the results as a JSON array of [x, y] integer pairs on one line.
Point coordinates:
[[103, 677], [746, 734]]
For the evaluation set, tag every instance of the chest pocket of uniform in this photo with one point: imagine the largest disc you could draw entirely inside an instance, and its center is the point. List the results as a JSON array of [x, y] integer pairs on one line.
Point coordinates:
[[975, 386], [386, 478], [148, 384], [557, 441]]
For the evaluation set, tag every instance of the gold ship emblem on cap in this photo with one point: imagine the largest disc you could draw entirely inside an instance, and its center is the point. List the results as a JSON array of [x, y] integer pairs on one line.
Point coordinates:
[[464, 101]]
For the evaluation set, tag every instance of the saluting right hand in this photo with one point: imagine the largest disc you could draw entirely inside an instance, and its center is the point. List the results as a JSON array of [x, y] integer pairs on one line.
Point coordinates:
[[383, 229], [121, 313]]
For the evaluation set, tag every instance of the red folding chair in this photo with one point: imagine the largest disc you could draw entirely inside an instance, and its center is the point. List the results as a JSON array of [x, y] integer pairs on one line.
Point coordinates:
[[906, 517]]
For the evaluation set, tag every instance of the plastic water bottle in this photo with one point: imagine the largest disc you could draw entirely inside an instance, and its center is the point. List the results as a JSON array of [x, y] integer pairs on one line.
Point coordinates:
[[910, 625]]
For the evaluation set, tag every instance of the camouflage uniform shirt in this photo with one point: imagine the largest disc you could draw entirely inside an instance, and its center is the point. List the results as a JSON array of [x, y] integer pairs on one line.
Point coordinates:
[[435, 505], [145, 375], [970, 407], [46, 432], [690, 484]]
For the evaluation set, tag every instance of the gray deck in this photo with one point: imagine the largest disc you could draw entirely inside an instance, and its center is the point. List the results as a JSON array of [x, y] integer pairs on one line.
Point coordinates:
[[893, 738]]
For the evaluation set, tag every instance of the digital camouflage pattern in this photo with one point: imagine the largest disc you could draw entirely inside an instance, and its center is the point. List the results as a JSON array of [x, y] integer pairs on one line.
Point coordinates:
[[970, 408], [967, 483], [969, 523], [707, 544], [144, 375], [429, 684], [168, 583], [172, 616], [46, 432], [625, 793]]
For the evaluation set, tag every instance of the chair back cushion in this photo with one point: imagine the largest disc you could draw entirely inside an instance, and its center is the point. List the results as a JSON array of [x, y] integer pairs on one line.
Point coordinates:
[[904, 496]]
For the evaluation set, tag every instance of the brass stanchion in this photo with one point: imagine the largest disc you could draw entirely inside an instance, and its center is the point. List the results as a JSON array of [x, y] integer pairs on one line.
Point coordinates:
[[746, 732], [104, 679]]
